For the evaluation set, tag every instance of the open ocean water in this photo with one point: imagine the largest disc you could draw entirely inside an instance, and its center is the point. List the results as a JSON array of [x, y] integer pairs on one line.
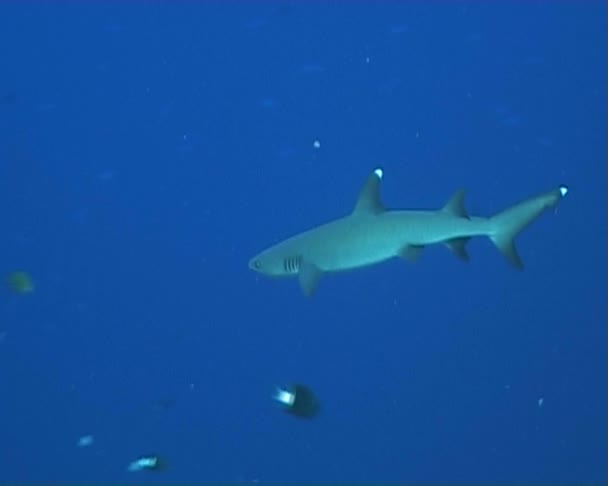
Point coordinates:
[[149, 149]]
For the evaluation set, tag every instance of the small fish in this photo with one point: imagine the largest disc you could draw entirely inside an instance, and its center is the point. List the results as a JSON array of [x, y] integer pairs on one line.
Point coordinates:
[[298, 400], [163, 403], [9, 99], [20, 282], [85, 441], [149, 462]]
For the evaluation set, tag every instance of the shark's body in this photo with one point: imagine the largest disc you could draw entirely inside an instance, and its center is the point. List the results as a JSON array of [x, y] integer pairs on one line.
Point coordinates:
[[371, 234]]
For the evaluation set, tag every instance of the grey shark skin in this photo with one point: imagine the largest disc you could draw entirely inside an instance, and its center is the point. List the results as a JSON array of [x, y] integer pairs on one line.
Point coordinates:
[[371, 234]]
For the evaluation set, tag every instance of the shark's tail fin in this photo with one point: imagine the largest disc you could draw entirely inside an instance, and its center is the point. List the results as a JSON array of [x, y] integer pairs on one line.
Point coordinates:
[[505, 225]]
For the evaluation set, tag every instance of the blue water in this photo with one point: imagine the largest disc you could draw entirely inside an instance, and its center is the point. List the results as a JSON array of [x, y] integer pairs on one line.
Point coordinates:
[[148, 150]]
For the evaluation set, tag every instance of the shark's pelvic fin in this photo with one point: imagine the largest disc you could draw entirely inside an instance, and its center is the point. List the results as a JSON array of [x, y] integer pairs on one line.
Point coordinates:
[[309, 276], [455, 205], [411, 253], [369, 198]]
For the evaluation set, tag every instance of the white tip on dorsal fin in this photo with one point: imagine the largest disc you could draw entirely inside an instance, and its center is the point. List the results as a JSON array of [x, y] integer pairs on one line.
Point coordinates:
[[455, 205], [369, 197]]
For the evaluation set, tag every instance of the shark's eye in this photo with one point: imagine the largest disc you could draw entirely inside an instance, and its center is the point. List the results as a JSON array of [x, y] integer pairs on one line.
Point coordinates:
[[257, 264]]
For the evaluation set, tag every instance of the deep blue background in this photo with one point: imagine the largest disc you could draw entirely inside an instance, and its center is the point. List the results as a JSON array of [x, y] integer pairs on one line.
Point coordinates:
[[148, 150]]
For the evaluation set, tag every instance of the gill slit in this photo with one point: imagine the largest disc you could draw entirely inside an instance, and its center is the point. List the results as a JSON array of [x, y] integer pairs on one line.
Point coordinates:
[[292, 264]]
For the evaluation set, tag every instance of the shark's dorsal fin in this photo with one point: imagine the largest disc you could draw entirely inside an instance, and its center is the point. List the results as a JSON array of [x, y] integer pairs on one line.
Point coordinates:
[[455, 205], [369, 197]]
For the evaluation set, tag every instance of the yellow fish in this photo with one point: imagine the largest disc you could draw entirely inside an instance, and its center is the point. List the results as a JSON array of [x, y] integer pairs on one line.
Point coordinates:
[[20, 282]]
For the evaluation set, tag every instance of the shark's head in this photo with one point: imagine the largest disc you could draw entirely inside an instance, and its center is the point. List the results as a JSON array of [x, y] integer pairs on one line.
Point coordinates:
[[274, 263], [267, 264]]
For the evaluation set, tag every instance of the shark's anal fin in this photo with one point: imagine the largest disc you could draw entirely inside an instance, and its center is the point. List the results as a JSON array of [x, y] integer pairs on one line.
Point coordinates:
[[369, 198], [458, 247], [309, 276], [411, 253]]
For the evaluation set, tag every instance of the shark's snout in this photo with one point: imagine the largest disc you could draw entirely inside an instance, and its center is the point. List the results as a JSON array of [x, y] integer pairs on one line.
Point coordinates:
[[255, 264]]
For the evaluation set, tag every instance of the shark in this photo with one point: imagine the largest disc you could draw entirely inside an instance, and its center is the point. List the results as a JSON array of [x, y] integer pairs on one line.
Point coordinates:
[[371, 234]]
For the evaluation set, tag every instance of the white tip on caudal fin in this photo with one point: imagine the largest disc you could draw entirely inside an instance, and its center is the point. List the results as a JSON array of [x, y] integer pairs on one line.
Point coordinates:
[[507, 224]]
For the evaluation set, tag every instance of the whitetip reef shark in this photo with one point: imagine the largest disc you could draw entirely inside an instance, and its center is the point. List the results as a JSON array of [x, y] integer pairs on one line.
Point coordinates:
[[372, 234]]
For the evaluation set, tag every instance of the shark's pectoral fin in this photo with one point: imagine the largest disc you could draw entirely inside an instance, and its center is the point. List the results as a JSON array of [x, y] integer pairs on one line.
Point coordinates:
[[309, 276], [411, 253], [458, 247]]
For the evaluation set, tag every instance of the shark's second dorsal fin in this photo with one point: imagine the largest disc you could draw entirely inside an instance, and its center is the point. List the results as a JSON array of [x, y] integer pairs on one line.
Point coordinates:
[[369, 197], [455, 206]]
